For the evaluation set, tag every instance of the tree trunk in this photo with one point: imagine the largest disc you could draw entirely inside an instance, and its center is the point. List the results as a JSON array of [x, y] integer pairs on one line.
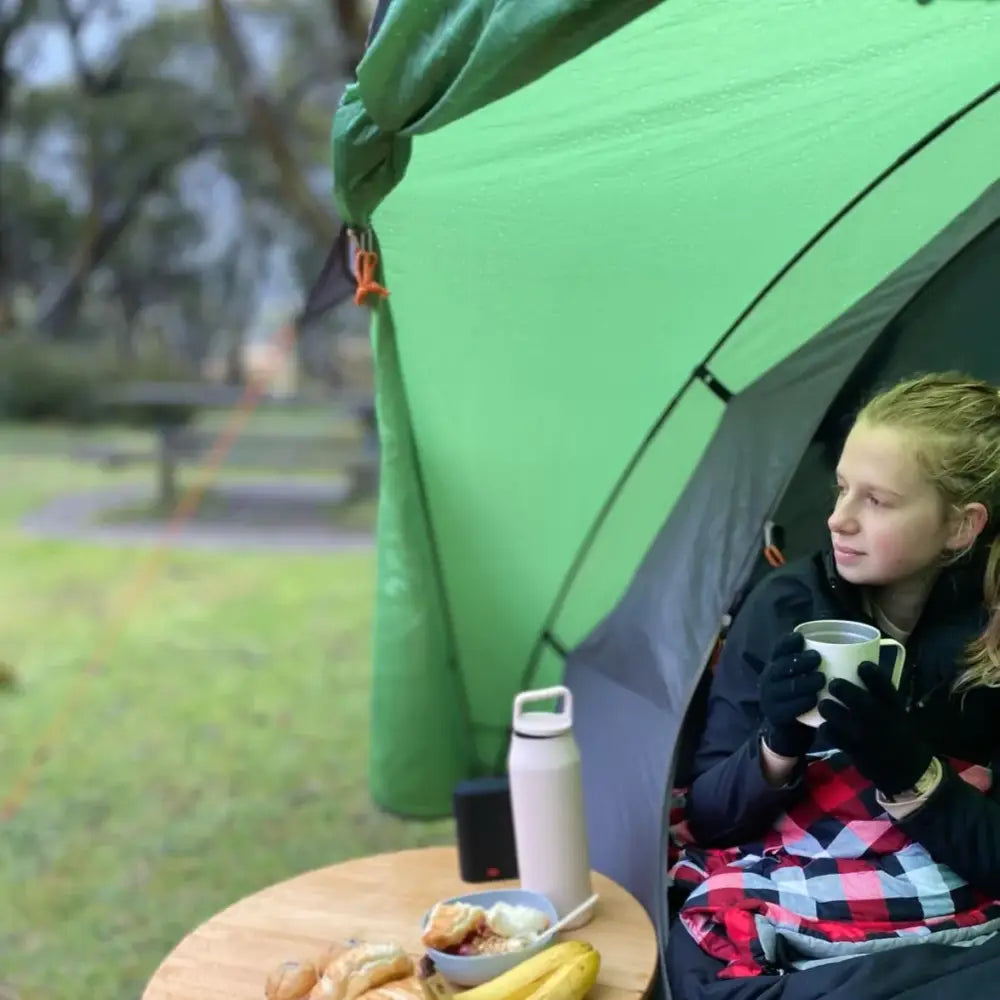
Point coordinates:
[[17, 15], [235, 370], [312, 212], [352, 17]]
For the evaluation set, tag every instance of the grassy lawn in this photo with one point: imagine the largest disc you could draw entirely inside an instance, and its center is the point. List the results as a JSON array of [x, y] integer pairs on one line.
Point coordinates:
[[221, 745]]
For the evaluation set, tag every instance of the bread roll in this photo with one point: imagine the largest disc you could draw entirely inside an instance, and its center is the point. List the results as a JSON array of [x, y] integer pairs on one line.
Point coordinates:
[[402, 989], [450, 924], [329, 953], [291, 980], [360, 969]]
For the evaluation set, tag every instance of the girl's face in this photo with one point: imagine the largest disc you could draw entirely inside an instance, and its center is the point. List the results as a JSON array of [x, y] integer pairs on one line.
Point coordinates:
[[890, 524]]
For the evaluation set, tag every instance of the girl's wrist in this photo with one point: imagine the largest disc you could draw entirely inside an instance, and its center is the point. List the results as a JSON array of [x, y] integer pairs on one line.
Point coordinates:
[[923, 786], [776, 768]]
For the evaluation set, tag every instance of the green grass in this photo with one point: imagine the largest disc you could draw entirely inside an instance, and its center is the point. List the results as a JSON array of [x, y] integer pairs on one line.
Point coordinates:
[[221, 746], [297, 420]]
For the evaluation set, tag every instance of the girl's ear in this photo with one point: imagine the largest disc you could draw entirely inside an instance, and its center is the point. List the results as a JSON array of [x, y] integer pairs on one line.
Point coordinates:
[[969, 525]]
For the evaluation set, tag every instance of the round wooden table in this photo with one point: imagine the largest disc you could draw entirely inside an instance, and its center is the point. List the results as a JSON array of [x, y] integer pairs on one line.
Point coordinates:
[[380, 898]]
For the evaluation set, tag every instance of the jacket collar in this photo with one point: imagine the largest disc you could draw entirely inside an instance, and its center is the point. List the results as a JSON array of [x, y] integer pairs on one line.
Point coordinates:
[[957, 591]]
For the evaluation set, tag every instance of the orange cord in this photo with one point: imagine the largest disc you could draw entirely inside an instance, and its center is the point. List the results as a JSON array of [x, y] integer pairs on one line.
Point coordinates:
[[713, 660], [774, 556], [149, 571], [365, 266]]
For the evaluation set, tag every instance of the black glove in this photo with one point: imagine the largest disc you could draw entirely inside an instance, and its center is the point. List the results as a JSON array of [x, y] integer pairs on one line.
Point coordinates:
[[789, 687], [874, 729]]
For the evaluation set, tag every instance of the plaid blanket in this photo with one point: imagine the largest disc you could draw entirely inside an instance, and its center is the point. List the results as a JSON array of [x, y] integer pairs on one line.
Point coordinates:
[[834, 877]]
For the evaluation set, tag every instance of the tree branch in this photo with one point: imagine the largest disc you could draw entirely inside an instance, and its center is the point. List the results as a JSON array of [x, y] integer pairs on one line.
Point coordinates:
[[93, 85], [291, 99], [265, 122], [100, 237], [22, 14], [352, 18]]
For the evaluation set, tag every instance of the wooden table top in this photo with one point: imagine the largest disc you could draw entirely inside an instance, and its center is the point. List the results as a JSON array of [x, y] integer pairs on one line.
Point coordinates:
[[380, 898]]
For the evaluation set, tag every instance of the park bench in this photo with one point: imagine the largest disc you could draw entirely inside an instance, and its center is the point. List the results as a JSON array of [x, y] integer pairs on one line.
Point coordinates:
[[175, 444]]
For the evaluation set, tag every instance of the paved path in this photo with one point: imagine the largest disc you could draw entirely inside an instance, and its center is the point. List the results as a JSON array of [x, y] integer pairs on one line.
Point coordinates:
[[290, 516]]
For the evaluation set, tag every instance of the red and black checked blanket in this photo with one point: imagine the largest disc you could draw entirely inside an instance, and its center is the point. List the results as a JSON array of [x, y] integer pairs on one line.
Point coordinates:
[[834, 877]]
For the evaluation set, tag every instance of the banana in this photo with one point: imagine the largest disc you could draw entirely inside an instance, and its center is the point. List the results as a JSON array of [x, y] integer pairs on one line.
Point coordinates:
[[572, 981], [524, 992], [528, 976]]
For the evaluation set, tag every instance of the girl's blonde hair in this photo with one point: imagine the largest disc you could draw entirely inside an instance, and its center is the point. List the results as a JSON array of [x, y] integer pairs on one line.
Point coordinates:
[[954, 422]]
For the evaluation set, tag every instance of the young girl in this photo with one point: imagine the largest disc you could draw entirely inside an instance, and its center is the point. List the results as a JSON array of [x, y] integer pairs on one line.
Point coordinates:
[[915, 550]]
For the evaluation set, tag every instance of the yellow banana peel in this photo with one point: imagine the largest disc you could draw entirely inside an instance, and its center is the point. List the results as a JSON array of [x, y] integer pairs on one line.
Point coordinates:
[[527, 978], [571, 981]]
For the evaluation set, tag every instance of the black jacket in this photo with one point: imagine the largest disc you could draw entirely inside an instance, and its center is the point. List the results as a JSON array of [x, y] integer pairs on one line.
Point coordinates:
[[729, 801]]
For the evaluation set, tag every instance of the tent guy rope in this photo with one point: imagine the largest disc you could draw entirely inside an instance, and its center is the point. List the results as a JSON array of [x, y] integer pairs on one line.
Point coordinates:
[[149, 571]]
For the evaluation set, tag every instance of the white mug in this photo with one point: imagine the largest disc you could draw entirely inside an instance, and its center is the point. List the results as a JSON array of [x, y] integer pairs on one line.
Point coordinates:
[[843, 646]]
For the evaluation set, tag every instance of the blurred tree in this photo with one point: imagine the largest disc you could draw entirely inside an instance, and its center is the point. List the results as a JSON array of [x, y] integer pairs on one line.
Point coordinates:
[[176, 169], [151, 269], [134, 118], [268, 126], [15, 15], [36, 226]]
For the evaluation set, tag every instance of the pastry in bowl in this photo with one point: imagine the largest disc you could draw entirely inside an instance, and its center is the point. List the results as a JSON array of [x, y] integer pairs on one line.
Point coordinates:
[[449, 924], [475, 937], [505, 927], [468, 929]]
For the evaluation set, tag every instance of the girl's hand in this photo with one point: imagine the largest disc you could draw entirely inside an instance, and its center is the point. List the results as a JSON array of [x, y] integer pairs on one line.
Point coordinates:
[[874, 729], [789, 687]]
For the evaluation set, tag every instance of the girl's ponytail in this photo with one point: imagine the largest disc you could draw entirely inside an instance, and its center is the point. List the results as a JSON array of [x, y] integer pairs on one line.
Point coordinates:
[[983, 669]]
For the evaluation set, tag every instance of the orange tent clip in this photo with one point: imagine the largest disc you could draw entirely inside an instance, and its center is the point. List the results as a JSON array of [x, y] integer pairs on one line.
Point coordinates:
[[365, 269], [774, 556]]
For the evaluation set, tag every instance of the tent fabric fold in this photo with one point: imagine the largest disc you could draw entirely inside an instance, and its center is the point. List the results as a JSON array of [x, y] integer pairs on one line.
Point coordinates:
[[430, 64]]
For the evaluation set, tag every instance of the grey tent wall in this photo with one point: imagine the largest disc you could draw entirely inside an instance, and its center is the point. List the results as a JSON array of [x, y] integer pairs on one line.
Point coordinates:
[[634, 676], [953, 323]]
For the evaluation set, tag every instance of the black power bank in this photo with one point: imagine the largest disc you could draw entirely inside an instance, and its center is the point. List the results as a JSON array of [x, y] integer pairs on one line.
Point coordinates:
[[484, 828]]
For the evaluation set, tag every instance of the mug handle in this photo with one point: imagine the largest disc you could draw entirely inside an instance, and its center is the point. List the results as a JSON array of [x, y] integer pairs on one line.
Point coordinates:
[[897, 667]]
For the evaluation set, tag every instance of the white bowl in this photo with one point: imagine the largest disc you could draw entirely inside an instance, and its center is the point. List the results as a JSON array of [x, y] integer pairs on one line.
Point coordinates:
[[472, 970]]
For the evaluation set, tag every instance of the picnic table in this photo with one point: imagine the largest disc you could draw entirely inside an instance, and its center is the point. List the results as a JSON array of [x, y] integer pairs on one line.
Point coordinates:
[[177, 443], [374, 899]]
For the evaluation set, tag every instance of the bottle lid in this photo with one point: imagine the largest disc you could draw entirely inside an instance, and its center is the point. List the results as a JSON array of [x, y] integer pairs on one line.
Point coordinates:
[[540, 725]]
